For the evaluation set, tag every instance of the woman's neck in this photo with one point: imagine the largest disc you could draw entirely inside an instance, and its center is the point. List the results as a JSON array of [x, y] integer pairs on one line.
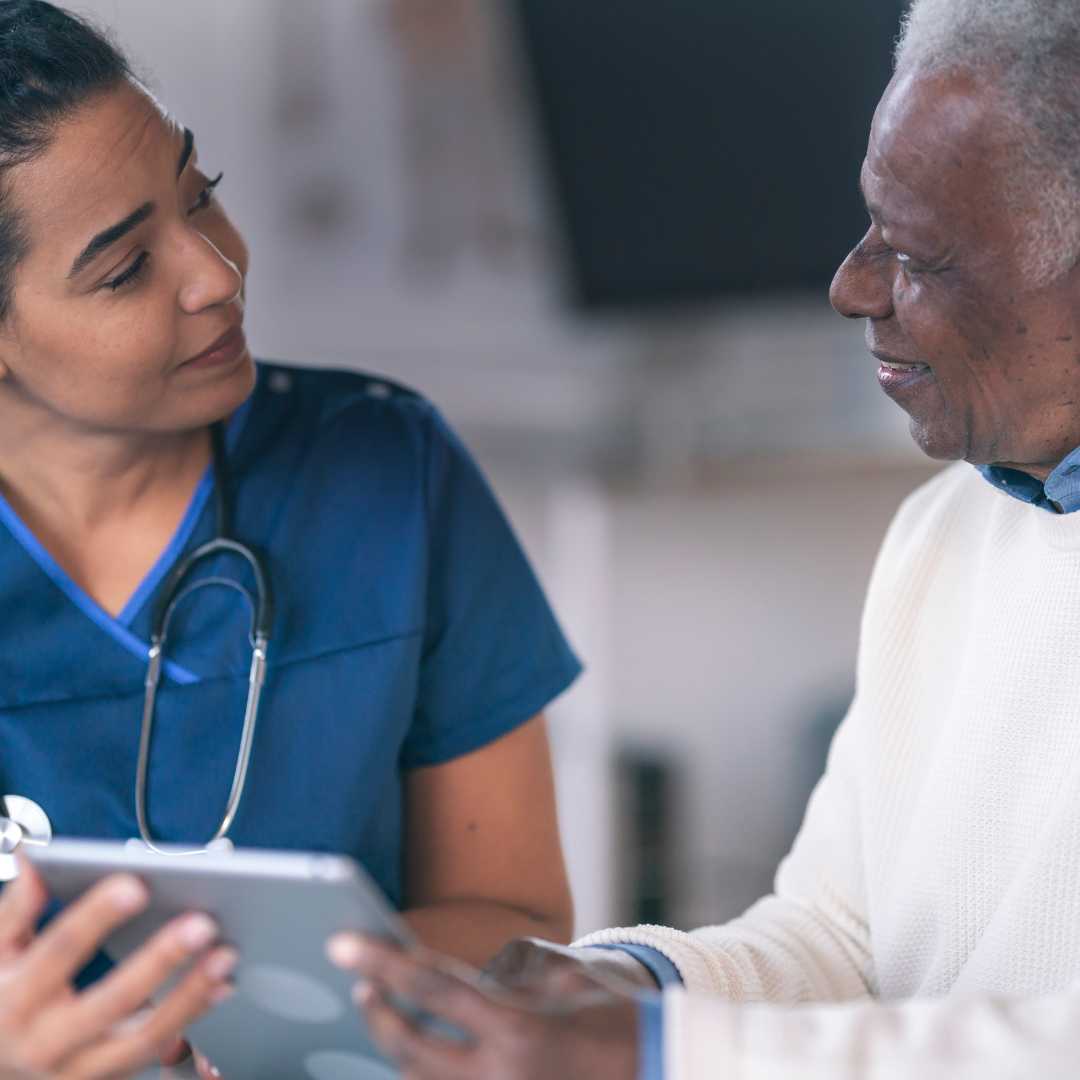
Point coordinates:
[[104, 504], [88, 476]]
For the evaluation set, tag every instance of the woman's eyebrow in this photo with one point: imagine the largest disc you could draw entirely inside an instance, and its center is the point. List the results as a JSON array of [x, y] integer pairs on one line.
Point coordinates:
[[109, 236], [189, 145]]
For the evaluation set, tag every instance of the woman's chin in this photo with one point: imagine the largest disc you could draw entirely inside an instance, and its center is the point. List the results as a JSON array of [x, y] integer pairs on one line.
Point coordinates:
[[220, 396]]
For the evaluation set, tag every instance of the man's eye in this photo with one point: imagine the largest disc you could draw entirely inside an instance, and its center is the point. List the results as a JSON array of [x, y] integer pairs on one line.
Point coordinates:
[[901, 257], [206, 196]]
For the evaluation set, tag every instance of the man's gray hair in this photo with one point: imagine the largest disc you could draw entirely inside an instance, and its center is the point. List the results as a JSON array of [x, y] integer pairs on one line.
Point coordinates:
[[1032, 48]]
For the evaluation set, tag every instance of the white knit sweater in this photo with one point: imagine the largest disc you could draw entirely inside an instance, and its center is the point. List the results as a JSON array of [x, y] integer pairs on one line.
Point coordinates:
[[934, 888]]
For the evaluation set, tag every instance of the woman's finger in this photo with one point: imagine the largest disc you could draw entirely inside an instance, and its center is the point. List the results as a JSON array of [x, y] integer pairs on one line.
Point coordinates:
[[420, 982], [175, 1054], [205, 1070], [21, 903], [138, 1042], [130, 985], [72, 938], [424, 1056], [206, 985]]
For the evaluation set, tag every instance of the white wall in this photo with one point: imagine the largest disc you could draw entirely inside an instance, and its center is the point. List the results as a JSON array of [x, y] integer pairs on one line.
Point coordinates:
[[734, 628]]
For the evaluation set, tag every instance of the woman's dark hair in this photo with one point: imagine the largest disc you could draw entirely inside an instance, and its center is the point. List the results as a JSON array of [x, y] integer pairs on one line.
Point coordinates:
[[51, 62]]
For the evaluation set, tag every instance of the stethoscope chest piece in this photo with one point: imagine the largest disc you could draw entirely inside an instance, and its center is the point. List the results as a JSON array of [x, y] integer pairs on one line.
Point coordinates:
[[24, 822]]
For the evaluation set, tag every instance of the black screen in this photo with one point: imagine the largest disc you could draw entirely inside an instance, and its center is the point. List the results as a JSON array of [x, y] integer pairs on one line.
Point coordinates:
[[703, 147]]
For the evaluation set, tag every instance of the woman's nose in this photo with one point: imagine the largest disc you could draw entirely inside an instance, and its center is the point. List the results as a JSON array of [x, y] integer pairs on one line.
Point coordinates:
[[860, 289], [211, 278]]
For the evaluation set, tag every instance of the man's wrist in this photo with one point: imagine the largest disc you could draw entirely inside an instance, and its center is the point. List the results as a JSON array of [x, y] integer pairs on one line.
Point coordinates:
[[620, 963], [663, 970]]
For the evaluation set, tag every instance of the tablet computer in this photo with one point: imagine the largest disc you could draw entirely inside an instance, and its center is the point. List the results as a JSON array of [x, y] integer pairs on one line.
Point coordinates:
[[291, 1017]]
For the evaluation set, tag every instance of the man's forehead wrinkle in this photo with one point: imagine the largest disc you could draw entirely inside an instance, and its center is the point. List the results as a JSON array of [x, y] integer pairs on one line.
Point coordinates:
[[930, 120], [929, 162]]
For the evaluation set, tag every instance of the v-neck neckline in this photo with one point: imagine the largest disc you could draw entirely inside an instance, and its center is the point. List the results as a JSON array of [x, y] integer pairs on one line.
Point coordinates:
[[118, 626]]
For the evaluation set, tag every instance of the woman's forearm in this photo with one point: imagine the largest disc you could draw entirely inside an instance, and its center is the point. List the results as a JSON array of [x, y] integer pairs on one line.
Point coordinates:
[[476, 930], [482, 861]]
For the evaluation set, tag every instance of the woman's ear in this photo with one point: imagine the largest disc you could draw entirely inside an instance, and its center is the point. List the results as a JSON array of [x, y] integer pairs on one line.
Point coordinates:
[[9, 344]]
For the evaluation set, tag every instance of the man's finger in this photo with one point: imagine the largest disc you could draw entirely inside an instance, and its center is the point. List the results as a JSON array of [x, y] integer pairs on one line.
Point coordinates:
[[421, 983], [137, 1043], [413, 1049], [74, 936], [128, 986], [21, 903]]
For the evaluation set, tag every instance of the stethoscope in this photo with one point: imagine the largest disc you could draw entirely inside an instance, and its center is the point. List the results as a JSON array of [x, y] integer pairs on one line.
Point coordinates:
[[22, 821]]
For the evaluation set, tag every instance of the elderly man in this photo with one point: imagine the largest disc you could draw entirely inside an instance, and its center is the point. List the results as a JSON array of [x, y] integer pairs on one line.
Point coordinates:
[[927, 921]]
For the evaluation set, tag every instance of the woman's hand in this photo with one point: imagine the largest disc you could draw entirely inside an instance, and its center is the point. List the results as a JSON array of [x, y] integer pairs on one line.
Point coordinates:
[[180, 1051], [589, 1035], [534, 966], [48, 1029]]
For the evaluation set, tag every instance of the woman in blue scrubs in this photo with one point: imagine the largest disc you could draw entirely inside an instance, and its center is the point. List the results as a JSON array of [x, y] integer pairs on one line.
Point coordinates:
[[413, 652]]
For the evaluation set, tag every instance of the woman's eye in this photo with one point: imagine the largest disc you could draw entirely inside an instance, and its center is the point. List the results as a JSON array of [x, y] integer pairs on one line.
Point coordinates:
[[130, 274], [206, 196]]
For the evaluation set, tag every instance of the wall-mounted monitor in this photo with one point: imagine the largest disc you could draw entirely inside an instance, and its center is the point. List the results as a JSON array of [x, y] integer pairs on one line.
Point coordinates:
[[704, 147]]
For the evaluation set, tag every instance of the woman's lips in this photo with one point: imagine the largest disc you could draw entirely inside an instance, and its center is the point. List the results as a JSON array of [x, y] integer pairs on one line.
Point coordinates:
[[229, 347], [896, 375]]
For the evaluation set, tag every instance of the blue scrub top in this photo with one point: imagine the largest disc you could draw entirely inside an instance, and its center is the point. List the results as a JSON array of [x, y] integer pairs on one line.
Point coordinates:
[[410, 630]]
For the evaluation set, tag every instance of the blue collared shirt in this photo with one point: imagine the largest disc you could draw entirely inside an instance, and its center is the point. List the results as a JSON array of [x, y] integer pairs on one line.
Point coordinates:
[[1062, 485], [650, 1008], [650, 1036]]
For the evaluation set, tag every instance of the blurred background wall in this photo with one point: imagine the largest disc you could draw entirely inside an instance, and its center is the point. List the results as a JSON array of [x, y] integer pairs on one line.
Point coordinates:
[[701, 467]]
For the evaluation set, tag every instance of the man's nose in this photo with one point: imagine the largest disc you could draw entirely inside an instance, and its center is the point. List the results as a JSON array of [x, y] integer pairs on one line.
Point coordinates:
[[860, 290]]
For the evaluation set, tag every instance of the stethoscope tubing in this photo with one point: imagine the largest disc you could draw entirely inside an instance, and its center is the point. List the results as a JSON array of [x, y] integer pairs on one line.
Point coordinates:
[[262, 625]]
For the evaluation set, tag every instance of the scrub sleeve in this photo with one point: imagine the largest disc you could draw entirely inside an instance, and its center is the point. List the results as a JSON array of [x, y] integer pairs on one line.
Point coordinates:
[[493, 655]]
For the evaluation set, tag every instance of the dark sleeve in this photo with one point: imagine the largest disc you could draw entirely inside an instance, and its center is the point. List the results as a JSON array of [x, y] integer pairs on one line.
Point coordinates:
[[493, 655]]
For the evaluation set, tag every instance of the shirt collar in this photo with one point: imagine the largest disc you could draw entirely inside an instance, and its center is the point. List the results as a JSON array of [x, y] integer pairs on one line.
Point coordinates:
[[1062, 485]]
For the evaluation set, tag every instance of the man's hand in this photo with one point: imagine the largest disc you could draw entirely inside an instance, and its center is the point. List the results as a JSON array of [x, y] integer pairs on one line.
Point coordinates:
[[589, 1035], [49, 1030]]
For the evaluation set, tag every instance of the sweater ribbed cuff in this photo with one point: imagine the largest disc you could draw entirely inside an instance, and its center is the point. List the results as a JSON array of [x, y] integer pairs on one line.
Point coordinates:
[[688, 955]]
